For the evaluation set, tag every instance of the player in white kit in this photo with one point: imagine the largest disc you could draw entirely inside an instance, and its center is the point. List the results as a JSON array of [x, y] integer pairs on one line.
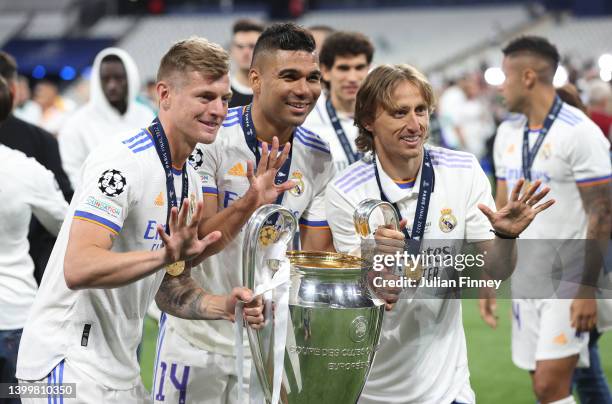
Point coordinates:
[[559, 145], [345, 60], [196, 359], [422, 355], [125, 236]]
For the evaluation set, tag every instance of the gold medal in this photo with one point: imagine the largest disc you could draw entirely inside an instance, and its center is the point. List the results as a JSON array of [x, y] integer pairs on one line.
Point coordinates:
[[413, 271], [267, 235], [176, 268]]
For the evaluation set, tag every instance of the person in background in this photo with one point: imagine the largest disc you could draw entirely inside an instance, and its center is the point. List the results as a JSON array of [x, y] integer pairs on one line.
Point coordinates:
[[598, 100], [320, 34], [345, 60], [590, 382], [55, 108], [112, 109], [34, 142], [245, 34], [35, 192], [25, 108]]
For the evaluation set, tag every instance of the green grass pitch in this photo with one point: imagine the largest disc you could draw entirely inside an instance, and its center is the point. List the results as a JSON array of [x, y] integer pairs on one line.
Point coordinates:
[[493, 376]]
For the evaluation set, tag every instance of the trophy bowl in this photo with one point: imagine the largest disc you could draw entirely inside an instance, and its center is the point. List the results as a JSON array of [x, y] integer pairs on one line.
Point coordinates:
[[333, 323]]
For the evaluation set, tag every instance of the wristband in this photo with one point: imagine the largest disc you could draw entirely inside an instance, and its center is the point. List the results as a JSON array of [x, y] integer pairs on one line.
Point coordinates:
[[502, 235]]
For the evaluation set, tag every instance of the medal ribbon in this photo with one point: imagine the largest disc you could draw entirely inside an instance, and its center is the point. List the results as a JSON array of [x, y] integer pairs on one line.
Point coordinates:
[[529, 155], [344, 142], [425, 190], [250, 136], [163, 151]]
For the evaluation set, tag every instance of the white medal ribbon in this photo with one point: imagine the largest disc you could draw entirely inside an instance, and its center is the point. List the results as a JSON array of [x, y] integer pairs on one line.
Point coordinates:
[[278, 287]]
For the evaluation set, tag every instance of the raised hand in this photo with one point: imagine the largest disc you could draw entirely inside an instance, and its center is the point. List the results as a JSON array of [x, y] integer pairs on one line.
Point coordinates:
[[520, 210], [183, 243], [262, 188]]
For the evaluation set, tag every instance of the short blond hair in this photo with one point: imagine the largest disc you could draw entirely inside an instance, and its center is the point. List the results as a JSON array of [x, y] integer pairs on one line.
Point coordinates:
[[377, 91], [194, 54]]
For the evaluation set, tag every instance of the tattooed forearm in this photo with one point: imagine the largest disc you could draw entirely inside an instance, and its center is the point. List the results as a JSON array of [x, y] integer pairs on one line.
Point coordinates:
[[596, 201], [182, 297]]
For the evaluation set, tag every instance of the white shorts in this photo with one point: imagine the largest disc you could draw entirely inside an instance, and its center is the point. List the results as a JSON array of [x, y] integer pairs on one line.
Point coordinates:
[[541, 330], [87, 390], [185, 373]]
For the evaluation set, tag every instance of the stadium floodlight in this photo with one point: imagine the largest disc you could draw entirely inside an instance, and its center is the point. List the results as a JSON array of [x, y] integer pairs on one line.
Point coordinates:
[[494, 76], [605, 75], [68, 73], [39, 72], [605, 62], [561, 77]]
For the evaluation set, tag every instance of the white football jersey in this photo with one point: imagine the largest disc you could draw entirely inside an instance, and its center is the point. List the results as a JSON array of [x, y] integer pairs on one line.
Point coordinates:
[[319, 122], [222, 167], [574, 153], [123, 189], [26, 187], [422, 354]]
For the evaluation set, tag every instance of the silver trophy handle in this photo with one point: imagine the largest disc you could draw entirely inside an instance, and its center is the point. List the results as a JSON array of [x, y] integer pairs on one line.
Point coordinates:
[[361, 217], [286, 232]]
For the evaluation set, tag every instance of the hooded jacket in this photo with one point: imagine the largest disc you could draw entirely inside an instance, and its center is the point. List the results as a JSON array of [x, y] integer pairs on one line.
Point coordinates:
[[97, 121]]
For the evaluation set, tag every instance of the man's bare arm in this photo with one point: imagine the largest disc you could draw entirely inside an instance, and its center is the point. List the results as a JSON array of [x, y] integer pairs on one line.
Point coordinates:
[[316, 239], [183, 297]]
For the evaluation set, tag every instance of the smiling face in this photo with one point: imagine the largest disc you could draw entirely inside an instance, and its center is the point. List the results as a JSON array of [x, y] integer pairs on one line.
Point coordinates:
[[400, 133], [345, 77], [195, 104], [286, 84]]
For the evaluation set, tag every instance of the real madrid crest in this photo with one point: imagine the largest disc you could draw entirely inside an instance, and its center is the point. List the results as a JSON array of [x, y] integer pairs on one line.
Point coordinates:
[[447, 220], [300, 186], [267, 235]]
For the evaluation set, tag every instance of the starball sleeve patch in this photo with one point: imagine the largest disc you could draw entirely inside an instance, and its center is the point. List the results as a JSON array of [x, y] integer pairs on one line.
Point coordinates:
[[112, 183]]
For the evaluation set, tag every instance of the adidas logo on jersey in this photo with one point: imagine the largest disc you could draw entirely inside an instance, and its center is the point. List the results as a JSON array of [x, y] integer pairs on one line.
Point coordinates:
[[237, 170], [159, 200]]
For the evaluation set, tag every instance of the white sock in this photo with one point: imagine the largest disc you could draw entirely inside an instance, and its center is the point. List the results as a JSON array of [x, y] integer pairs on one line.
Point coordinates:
[[566, 400]]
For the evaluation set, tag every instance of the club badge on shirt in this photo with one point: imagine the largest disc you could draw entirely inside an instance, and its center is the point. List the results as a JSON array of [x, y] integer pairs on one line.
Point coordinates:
[[300, 186], [447, 221]]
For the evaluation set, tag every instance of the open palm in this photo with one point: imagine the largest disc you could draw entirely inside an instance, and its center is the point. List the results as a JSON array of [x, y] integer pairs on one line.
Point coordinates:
[[513, 218], [262, 188]]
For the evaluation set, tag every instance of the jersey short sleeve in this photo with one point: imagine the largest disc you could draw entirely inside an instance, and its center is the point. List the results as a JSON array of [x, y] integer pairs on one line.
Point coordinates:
[[205, 162], [340, 218], [44, 195], [588, 156], [315, 214], [477, 226], [110, 184]]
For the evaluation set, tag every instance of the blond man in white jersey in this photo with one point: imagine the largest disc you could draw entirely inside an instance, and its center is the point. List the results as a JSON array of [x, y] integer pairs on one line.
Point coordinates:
[[559, 145], [196, 358], [442, 195], [124, 237]]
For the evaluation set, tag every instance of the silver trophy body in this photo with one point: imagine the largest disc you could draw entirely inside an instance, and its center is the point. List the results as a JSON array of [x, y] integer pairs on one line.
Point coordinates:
[[333, 326]]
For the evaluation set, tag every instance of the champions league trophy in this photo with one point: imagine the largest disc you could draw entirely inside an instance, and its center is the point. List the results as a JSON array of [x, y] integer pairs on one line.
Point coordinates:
[[332, 322]]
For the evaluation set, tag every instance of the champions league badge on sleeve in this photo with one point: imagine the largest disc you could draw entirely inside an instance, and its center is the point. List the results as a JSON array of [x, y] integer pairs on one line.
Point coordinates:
[[299, 187], [112, 183], [447, 220], [196, 159]]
